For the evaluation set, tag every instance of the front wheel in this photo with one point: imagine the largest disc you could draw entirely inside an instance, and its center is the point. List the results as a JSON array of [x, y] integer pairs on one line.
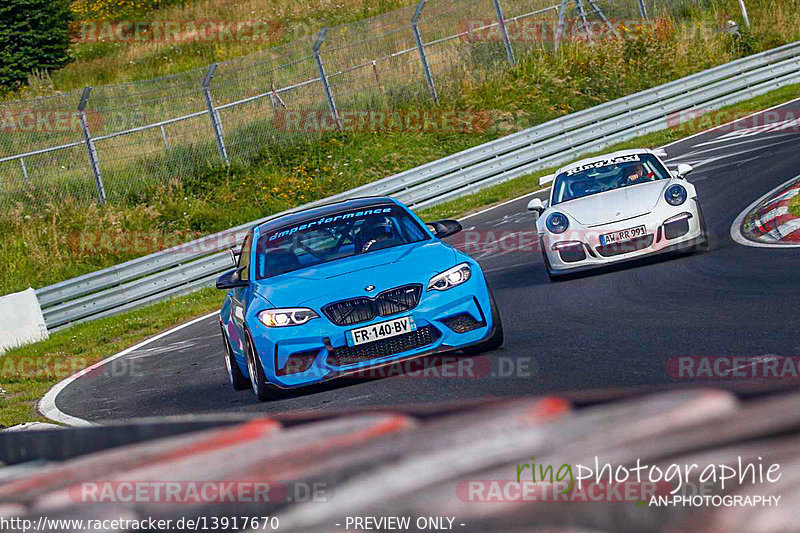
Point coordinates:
[[235, 376], [261, 387]]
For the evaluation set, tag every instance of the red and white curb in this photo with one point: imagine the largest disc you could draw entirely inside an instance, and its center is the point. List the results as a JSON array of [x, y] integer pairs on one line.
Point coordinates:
[[767, 223]]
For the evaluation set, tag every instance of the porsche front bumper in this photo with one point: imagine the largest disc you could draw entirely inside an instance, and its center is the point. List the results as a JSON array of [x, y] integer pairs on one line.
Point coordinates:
[[665, 230]]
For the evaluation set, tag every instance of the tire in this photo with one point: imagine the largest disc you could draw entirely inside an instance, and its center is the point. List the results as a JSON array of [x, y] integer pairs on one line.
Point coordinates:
[[261, 387], [235, 376], [497, 338]]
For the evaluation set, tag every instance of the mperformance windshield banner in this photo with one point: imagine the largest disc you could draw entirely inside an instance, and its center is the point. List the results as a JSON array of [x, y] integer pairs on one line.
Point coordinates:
[[326, 221]]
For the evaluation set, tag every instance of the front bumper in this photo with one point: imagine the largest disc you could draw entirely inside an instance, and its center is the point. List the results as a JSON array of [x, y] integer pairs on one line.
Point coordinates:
[[322, 345], [581, 249]]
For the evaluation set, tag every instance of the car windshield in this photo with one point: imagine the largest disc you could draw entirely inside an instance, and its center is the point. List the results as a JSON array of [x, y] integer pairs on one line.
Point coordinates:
[[606, 175], [335, 236]]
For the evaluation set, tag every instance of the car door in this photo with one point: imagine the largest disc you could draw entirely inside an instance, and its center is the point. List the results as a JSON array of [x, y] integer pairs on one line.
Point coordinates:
[[239, 297]]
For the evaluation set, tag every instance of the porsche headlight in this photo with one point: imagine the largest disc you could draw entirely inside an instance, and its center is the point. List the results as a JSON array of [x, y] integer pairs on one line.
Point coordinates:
[[450, 278], [675, 195], [280, 318], [557, 223]]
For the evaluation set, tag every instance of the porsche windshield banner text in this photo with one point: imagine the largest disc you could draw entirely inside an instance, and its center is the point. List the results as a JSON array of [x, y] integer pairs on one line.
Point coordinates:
[[604, 163]]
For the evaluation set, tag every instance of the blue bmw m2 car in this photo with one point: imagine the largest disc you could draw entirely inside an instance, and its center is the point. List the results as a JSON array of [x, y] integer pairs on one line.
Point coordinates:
[[346, 287]]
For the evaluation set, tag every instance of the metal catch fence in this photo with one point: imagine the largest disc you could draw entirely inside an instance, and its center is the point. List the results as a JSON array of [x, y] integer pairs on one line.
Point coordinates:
[[113, 143]]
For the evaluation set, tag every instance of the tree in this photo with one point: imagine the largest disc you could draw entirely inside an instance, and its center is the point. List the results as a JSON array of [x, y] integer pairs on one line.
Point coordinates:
[[34, 35]]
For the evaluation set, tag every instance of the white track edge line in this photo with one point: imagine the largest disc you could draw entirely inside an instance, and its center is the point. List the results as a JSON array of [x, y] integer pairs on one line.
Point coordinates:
[[47, 405]]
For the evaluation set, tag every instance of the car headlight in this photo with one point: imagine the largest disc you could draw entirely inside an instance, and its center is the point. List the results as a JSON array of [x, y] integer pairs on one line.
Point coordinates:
[[280, 318], [450, 278], [675, 195], [557, 223]]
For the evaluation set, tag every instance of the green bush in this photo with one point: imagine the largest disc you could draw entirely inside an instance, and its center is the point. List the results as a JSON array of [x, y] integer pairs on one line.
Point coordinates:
[[34, 36]]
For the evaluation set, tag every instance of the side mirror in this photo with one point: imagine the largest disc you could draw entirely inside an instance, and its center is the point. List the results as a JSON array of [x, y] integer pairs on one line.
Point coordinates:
[[684, 170], [445, 228], [230, 280], [537, 205]]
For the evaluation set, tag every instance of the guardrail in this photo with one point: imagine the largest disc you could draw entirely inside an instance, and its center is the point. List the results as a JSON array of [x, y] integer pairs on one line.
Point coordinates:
[[190, 266]]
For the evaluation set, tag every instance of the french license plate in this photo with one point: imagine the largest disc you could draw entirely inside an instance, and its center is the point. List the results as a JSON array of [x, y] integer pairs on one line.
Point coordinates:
[[381, 330], [623, 235]]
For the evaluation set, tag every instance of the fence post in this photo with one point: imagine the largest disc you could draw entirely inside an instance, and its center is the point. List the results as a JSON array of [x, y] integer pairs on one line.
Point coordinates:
[[212, 113], [744, 13], [643, 9], [504, 30], [562, 13], [421, 49], [326, 86], [94, 162], [602, 16], [584, 20], [164, 138], [24, 172]]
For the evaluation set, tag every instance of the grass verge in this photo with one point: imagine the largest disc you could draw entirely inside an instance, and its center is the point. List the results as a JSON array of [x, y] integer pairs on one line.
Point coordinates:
[[794, 206], [28, 372]]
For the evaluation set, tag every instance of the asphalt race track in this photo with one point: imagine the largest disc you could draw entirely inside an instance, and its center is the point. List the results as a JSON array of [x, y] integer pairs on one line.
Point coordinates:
[[606, 330]]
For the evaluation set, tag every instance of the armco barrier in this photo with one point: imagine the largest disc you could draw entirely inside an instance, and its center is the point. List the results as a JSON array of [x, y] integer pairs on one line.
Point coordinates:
[[193, 265]]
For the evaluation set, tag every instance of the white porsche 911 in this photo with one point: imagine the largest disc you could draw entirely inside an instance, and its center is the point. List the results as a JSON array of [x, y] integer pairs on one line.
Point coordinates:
[[615, 208]]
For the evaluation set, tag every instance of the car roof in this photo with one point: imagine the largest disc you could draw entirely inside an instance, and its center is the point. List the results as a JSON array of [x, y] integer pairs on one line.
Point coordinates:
[[324, 210], [612, 155]]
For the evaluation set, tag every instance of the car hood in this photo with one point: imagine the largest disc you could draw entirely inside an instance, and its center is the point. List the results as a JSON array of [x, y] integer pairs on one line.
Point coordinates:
[[611, 206], [348, 278]]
